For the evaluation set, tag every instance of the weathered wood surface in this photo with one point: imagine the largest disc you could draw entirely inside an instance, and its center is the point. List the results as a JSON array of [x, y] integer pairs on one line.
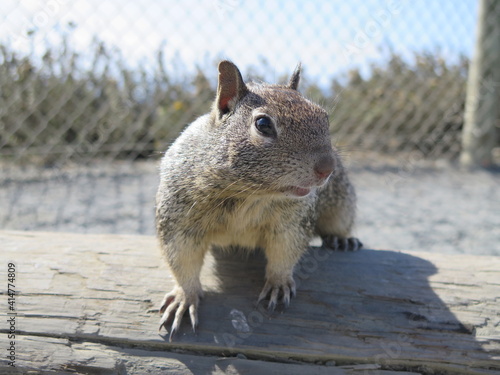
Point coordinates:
[[89, 304]]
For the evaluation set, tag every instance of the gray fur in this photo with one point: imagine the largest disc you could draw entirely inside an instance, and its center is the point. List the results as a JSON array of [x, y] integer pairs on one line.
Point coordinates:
[[225, 183]]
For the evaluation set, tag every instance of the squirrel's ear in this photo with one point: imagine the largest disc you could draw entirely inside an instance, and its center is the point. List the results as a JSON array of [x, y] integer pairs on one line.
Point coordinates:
[[231, 87], [293, 83]]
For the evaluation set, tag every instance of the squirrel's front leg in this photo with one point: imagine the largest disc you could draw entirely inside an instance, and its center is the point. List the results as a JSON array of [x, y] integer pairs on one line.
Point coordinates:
[[282, 253], [185, 258]]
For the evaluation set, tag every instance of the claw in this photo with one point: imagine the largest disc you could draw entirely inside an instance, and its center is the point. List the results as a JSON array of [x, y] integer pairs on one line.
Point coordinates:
[[286, 296], [287, 290], [355, 244], [172, 333], [193, 316], [166, 302], [264, 293], [167, 315], [176, 325], [334, 243], [342, 244], [273, 300], [174, 305]]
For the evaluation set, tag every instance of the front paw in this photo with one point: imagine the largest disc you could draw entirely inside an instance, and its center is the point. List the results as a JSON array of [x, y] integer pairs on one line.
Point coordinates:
[[175, 304], [278, 290], [341, 244]]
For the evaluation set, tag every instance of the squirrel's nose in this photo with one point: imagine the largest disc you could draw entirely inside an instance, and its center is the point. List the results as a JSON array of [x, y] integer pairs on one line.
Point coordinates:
[[324, 166]]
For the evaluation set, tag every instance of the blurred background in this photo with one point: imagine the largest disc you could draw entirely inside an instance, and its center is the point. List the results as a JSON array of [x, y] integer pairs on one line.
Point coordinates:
[[92, 93]]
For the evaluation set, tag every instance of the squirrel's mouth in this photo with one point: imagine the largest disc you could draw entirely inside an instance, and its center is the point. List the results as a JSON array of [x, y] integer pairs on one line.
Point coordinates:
[[297, 191]]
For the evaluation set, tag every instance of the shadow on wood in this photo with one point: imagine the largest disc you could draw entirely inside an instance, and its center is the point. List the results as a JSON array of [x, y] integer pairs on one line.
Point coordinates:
[[363, 306]]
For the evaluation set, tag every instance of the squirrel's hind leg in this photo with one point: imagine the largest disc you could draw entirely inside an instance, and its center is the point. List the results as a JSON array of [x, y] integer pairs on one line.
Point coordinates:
[[336, 211], [335, 227]]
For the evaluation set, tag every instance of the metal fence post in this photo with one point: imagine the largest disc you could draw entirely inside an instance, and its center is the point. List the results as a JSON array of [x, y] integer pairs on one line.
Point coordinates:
[[482, 108]]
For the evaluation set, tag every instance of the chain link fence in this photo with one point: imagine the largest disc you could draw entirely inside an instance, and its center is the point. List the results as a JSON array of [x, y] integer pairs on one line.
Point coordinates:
[[119, 81], [111, 84]]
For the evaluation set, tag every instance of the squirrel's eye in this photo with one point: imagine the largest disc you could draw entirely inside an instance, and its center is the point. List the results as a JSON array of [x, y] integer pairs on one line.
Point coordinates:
[[265, 126]]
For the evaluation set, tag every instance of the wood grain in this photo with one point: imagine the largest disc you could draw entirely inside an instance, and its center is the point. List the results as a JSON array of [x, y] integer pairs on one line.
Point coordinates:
[[89, 304]]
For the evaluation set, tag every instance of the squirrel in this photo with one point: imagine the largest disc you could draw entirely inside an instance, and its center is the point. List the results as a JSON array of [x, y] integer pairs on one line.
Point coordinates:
[[258, 171]]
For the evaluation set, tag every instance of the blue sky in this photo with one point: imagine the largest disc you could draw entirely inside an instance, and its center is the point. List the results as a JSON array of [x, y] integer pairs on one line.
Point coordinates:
[[328, 37]]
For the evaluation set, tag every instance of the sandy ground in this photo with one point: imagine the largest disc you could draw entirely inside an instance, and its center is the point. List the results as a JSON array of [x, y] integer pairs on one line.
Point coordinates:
[[439, 209]]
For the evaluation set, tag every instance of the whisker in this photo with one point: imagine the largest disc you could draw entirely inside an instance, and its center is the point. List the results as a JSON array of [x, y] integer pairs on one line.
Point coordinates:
[[253, 186]]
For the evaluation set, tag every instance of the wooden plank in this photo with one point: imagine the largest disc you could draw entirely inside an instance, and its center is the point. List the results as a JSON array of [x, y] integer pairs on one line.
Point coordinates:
[[390, 310], [66, 357]]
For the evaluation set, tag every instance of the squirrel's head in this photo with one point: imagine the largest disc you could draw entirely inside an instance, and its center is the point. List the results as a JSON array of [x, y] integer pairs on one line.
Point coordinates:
[[274, 140]]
